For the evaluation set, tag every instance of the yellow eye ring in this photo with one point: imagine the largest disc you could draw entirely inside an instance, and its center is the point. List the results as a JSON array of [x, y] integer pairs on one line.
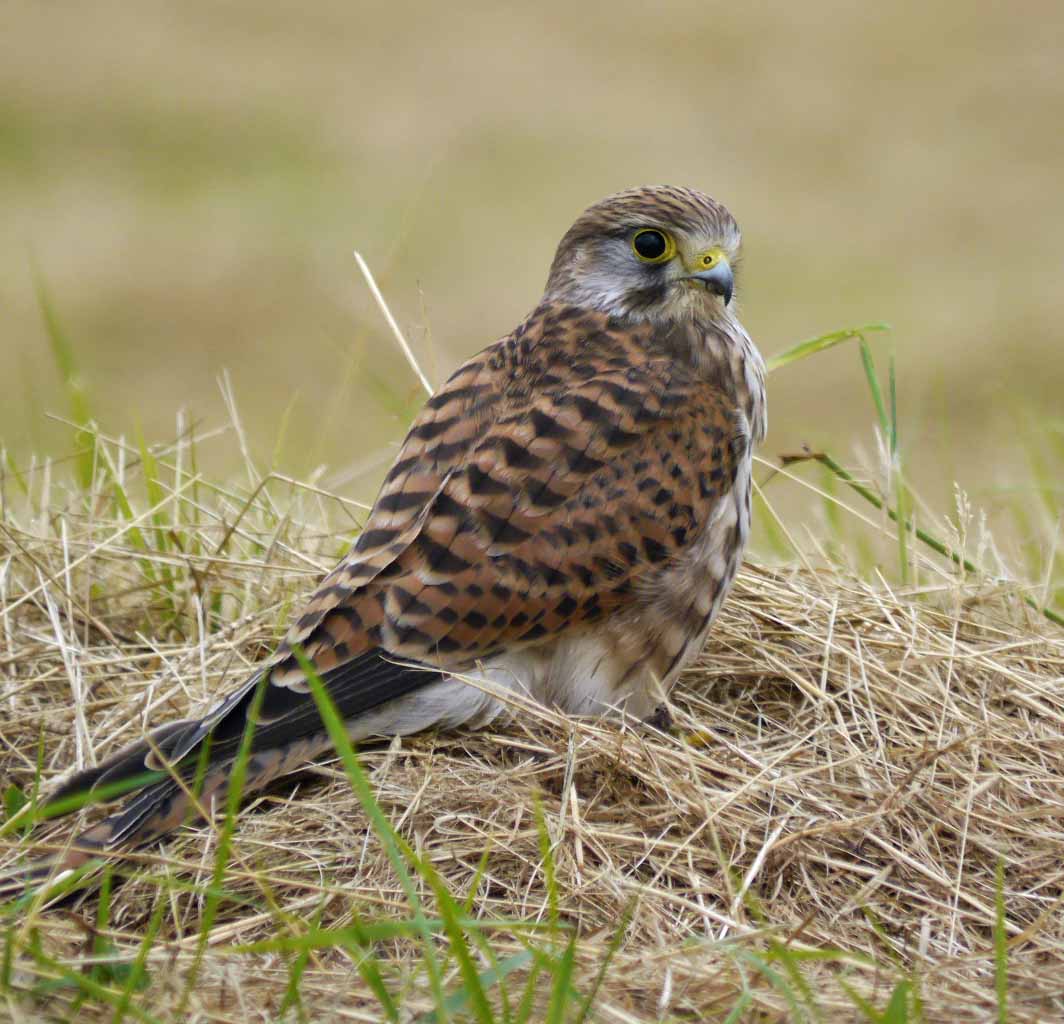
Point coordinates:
[[653, 246]]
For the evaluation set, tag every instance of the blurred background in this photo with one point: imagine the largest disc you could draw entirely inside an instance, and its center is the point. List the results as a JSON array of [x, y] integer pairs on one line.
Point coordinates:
[[189, 181]]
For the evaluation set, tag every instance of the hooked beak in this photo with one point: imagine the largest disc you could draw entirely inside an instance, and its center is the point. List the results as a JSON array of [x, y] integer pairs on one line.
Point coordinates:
[[718, 279]]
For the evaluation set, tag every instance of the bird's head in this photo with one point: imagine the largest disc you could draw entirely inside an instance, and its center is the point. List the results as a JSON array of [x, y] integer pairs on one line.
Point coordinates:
[[657, 252]]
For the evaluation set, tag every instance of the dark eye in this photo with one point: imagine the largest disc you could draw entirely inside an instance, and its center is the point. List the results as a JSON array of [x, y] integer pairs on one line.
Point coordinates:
[[653, 246]]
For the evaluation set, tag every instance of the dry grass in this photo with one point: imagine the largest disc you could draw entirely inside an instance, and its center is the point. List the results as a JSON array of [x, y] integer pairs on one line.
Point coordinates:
[[849, 767]]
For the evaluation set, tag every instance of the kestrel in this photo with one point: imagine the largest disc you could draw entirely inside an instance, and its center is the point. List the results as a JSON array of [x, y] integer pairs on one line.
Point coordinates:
[[563, 520]]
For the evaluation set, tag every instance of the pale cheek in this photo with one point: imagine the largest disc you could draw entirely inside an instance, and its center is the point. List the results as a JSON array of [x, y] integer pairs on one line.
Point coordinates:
[[609, 279], [608, 290]]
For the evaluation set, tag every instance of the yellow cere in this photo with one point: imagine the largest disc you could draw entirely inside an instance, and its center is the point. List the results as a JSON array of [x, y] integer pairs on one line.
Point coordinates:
[[707, 260]]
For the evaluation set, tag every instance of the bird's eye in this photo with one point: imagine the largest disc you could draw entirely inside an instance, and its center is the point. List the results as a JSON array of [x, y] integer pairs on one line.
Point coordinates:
[[653, 246]]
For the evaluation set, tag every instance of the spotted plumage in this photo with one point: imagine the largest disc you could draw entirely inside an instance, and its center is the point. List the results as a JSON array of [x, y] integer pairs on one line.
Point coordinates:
[[563, 520]]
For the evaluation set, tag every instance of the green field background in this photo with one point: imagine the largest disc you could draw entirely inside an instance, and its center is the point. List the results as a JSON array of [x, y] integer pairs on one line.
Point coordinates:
[[190, 179]]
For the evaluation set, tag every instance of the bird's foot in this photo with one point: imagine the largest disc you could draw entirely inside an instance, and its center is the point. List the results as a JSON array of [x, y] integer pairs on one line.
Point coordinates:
[[660, 718]]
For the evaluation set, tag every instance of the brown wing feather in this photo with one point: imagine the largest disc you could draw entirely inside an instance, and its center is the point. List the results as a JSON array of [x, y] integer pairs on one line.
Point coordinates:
[[536, 492], [438, 441]]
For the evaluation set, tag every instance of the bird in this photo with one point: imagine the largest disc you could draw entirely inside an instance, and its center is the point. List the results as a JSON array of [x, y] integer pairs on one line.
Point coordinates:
[[561, 524]]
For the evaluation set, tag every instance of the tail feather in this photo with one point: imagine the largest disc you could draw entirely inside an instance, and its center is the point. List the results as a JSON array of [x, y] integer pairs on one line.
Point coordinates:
[[128, 764], [154, 811], [288, 733], [161, 807]]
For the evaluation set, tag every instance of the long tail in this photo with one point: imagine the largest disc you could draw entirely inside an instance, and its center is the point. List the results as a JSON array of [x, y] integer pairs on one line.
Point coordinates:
[[159, 808], [288, 733]]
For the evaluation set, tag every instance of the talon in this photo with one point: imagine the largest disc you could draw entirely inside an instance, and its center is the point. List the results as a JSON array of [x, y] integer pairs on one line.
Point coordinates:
[[660, 718]]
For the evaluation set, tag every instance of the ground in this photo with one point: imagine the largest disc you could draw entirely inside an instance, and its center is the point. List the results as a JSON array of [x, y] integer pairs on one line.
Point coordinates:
[[857, 809]]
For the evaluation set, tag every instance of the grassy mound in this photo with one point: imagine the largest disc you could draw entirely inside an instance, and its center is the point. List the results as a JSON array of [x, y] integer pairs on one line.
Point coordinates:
[[857, 815]]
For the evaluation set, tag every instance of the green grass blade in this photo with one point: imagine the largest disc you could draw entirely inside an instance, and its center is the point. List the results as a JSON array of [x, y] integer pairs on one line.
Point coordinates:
[[73, 383], [812, 346], [8, 960], [376, 931], [393, 846], [561, 991], [149, 468], [780, 983], [769, 527], [125, 507], [87, 985], [873, 386], [277, 456], [1001, 945], [897, 1009], [56, 809], [296, 969], [472, 988], [14, 801], [137, 976], [783, 954], [371, 973], [739, 1008], [868, 1011], [478, 876], [893, 384], [881, 934], [901, 490], [528, 998], [904, 521], [456, 1002], [357, 777], [234, 794], [546, 854], [922, 535], [615, 944], [12, 472]]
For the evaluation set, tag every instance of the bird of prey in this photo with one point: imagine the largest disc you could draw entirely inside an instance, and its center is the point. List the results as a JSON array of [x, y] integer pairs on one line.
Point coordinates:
[[563, 521]]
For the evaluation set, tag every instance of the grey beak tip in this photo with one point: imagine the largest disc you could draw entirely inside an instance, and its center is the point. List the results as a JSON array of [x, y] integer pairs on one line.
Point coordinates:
[[719, 280]]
